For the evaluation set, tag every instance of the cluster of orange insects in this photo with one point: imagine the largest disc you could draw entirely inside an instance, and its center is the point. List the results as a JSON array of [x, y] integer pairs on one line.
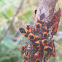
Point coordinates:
[[42, 44]]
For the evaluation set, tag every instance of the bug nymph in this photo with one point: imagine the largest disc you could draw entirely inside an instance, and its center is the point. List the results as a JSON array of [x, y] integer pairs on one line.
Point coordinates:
[[27, 34], [40, 21], [23, 49], [47, 49], [36, 55], [54, 28], [47, 28], [29, 28], [45, 34], [23, 31], [39, 45], [26, 57], [31, 37], [53, 46], [44, 42], [56, 16]]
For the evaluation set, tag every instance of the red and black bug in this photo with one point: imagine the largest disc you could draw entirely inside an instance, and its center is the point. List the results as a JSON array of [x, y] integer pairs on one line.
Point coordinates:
[[23, 49], [52, 53], [47, 28], [54, 28], [29, 28], [53, 46], [27, 34], [45, 34], [39, 45], [26, 57], [56, 16], [36, 55], [40, 21], [47, 49]]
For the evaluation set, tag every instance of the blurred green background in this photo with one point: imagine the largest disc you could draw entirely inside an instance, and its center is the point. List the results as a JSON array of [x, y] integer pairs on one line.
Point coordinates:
[[11, 43]]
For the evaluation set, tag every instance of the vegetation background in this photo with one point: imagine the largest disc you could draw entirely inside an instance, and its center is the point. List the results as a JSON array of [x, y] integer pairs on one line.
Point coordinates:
[[11, 42]]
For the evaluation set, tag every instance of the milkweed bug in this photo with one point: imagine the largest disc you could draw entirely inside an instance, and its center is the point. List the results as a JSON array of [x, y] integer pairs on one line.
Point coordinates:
[[39, 45], [56, 16], [44, 42], [47, 28], [29, 28], [26, 57], [36, 55], [45, 34], [47, 49], [54, 28], [27, 34], [23, 49], [40, 21], [31, 37], [53, 46], [52, 53]]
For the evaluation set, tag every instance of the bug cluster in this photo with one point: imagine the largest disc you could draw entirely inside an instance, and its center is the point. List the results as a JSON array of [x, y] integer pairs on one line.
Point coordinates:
[[41, 37]]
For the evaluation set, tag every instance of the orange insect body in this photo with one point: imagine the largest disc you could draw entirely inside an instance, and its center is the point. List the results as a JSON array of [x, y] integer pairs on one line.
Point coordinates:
[[38, 25], [44, 42], [23, 49], [55, 25], [39, 45], [47, 28], [45, 34], [52, 53], [53, 46], [54, 18], [29, 28], [40, 21], [47, 49], [26, 57], [24, 31], [31, 37], [36, 55], [27, 34]]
